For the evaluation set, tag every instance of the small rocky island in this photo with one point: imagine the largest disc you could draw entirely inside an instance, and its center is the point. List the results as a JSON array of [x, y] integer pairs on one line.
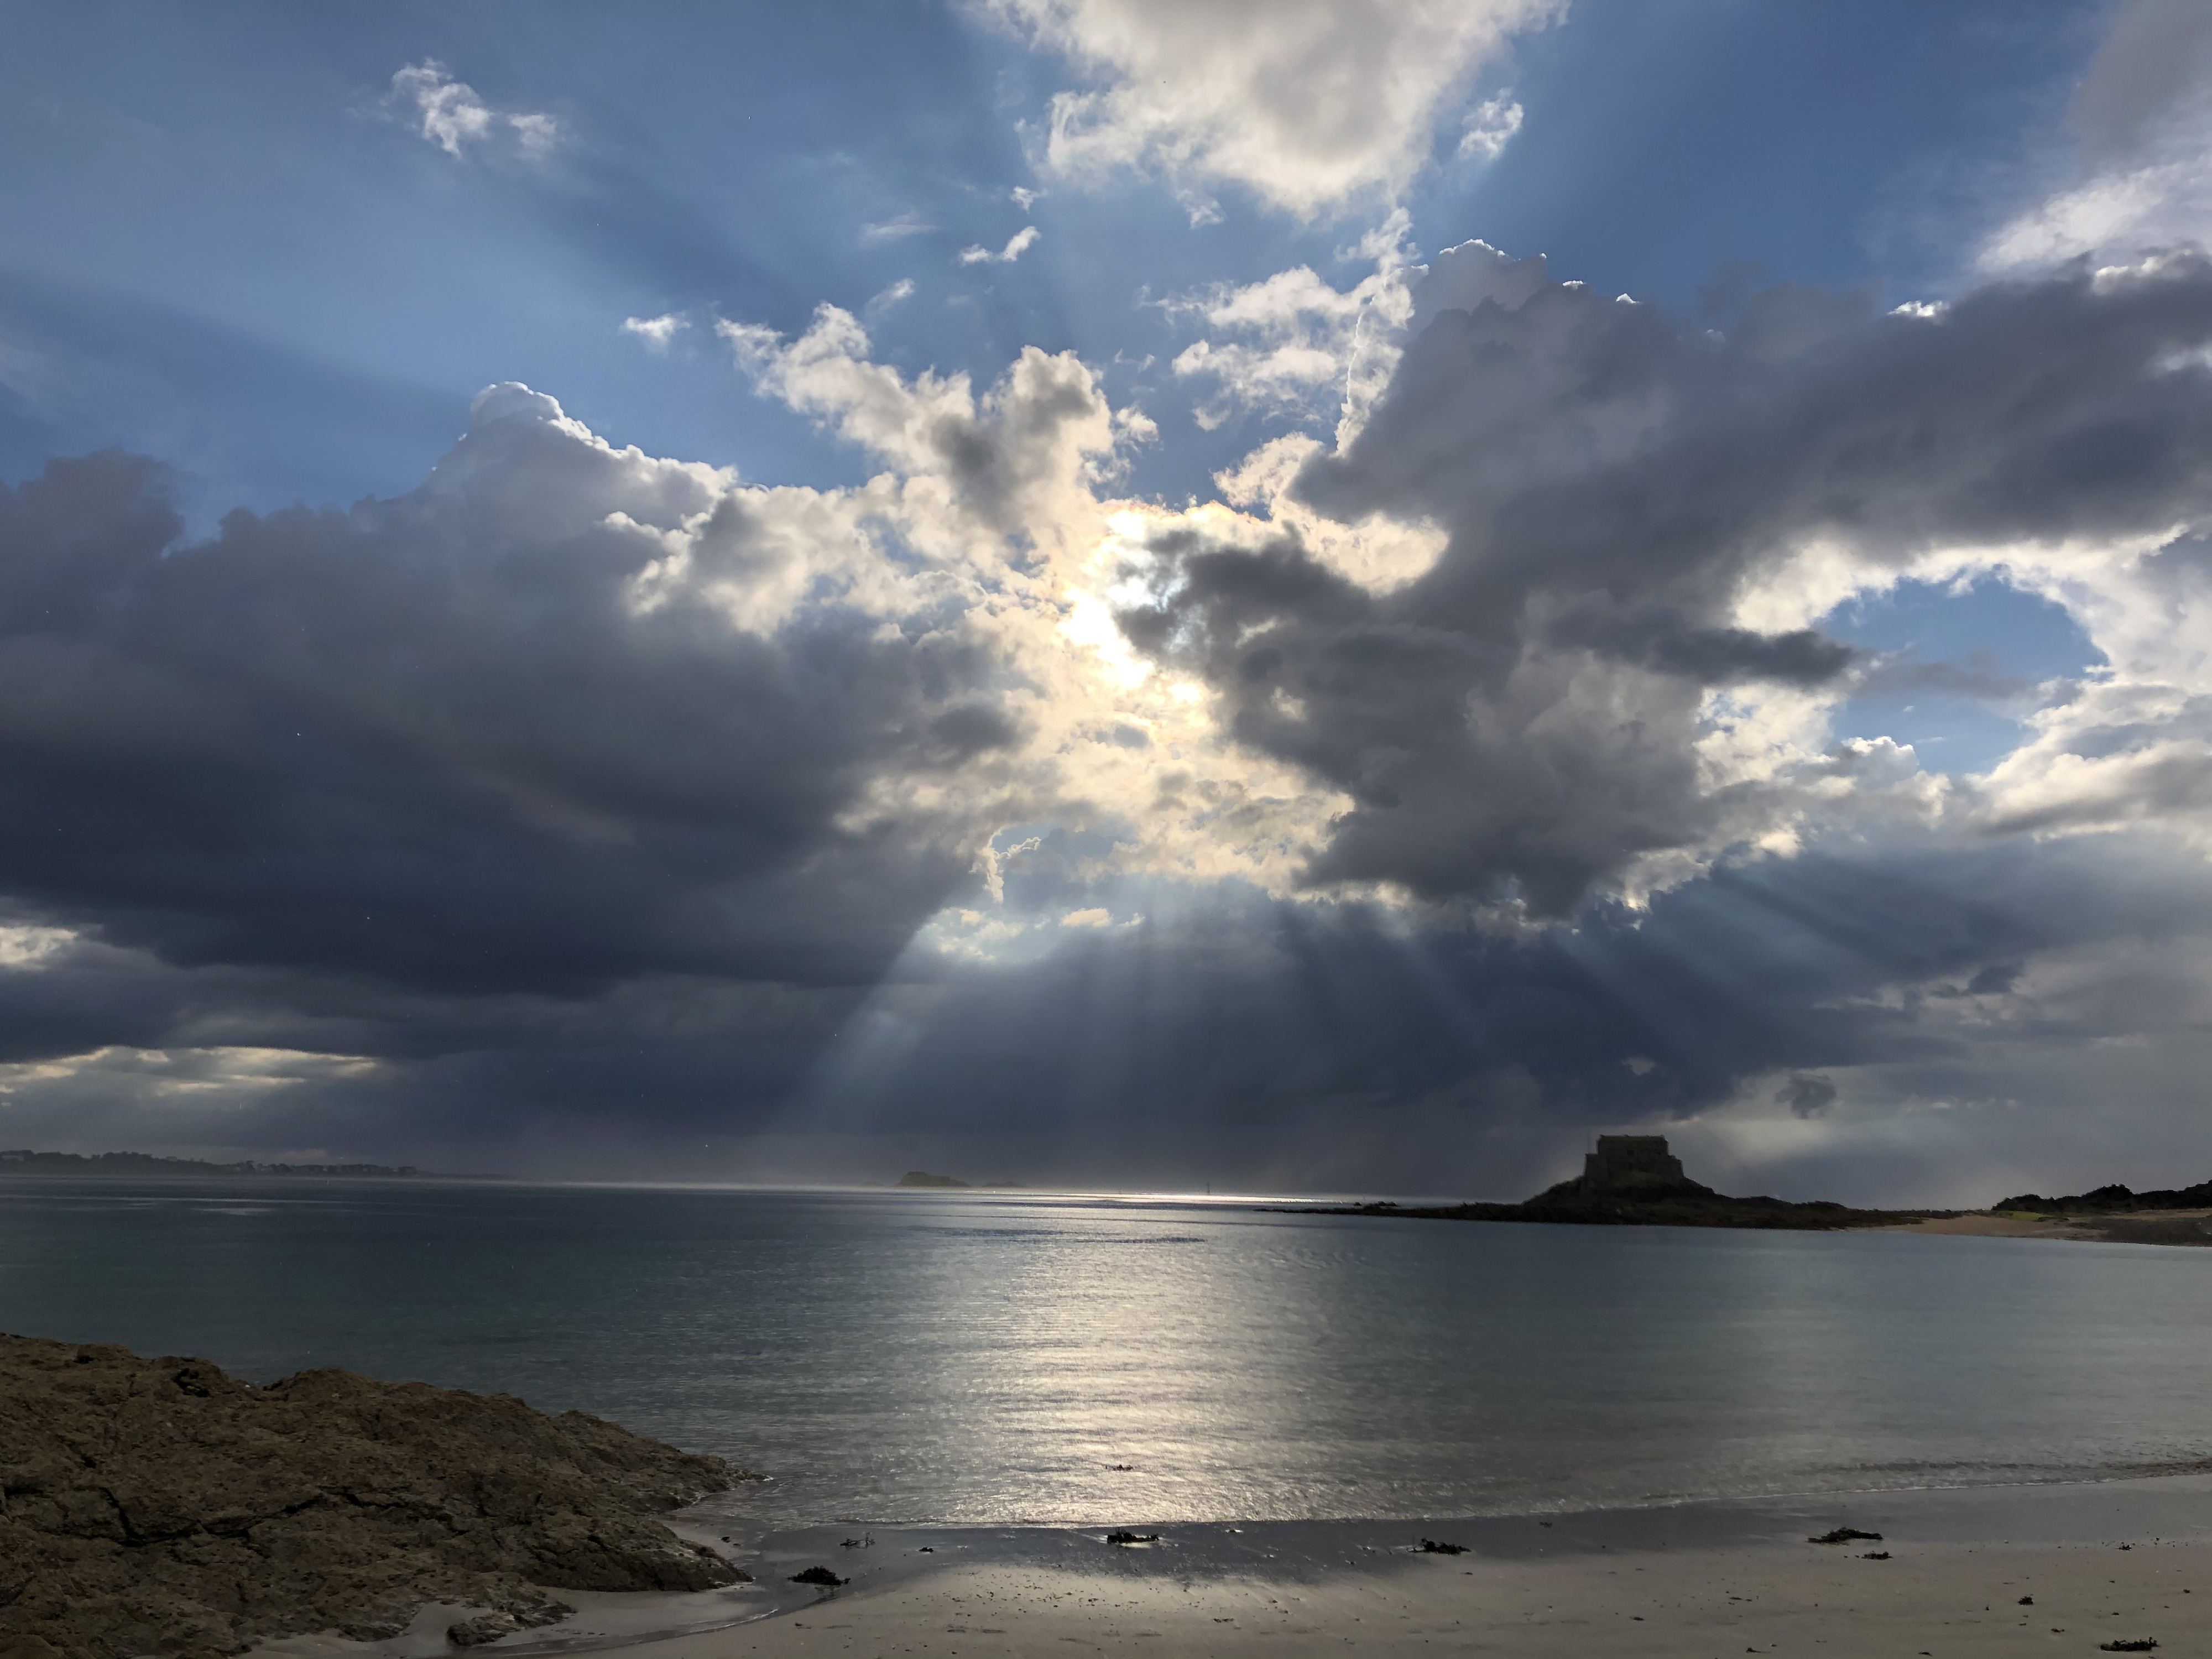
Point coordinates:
[[162, 1507], [1633, 1180]]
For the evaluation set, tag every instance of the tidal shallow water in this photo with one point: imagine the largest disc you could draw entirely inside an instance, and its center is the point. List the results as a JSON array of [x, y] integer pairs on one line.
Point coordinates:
[[990, 1358]]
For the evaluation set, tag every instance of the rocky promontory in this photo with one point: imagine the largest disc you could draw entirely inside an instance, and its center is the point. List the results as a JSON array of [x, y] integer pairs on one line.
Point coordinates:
[[1633, 1180], [159, 1506]]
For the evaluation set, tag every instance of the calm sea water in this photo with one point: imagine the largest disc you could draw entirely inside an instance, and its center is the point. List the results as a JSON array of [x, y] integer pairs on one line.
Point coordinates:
[[986, 1358]]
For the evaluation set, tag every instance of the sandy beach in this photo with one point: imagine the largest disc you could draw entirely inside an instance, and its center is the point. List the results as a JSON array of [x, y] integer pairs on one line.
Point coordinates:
[[2182, 1227], [1936, 1600], [1988, 1570], [2125, 1560]]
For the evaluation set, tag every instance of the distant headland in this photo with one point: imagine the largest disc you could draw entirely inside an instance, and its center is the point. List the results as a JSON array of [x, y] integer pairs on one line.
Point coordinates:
[[26, 1161], [1633, 1180], [923, 1178]]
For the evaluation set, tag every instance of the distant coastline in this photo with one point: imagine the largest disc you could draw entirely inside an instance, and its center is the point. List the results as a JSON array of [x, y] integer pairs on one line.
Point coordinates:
[[23, 1161], [1633, 1180]]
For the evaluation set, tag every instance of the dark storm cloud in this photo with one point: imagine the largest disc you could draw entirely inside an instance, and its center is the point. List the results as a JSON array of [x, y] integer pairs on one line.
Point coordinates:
[[1807, 1094], [1521, 718], [1330, 1045], [435, 742]]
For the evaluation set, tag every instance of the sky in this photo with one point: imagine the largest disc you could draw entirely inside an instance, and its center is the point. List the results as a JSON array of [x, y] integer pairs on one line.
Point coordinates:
[[1316, 596]]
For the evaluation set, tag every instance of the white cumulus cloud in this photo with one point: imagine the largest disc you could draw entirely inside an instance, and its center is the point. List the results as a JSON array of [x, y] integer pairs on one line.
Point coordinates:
[[1312, 105]]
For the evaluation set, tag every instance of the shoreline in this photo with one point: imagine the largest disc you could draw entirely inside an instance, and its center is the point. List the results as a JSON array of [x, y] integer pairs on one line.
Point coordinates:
[[1661, 1579]]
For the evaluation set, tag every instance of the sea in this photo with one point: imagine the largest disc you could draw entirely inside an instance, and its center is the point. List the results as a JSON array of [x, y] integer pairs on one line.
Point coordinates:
[[996, 1358]]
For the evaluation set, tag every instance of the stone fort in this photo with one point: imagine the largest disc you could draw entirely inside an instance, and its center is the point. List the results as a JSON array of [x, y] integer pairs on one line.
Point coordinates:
[[1624, 1163]]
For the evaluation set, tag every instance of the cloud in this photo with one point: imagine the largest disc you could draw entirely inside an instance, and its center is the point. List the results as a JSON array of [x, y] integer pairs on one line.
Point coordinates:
[[1294, 347], [1456, 776], [448, 113], [909, 224], [1291, 346], [897, 293], [1806, 1094], [459, 677], [655, 331], [2141, 119], [1314, 106], [1332, 1045], [1597, 685], [1018, 244], [1489, 127]]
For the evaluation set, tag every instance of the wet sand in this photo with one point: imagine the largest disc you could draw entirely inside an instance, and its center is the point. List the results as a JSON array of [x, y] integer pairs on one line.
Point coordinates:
[[2111, 1561], [2118, 1227], [1984, 1226], [1692, 1580], [1947, 1600]]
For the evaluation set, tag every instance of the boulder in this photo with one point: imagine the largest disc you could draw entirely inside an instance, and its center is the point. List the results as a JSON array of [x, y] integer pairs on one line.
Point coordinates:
[[159, 1506]]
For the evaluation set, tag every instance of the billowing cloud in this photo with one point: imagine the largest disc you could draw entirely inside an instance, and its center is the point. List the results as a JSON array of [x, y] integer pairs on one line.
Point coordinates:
[[1312, 105], [449, 114], [404, 741], [1584, 690], [1466, 766]]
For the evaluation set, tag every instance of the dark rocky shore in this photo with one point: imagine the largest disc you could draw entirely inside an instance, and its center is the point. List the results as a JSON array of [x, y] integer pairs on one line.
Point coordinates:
[[160, 1506]]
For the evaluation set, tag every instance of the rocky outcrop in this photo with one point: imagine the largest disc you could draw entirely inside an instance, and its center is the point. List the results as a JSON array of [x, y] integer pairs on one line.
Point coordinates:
[[1633, 1180], [2112, 1200], [923, 1178], [2119, 1215], [161, 1507]]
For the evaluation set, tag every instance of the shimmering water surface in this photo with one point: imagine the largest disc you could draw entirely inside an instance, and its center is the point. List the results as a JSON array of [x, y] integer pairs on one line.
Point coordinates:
[[973, 1358]]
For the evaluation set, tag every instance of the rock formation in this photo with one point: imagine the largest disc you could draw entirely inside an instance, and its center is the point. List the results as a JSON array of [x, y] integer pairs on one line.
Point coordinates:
[[2112, 1200], [2118, 1215], [161, 1507], [1633, 1180], [923, 1178]]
